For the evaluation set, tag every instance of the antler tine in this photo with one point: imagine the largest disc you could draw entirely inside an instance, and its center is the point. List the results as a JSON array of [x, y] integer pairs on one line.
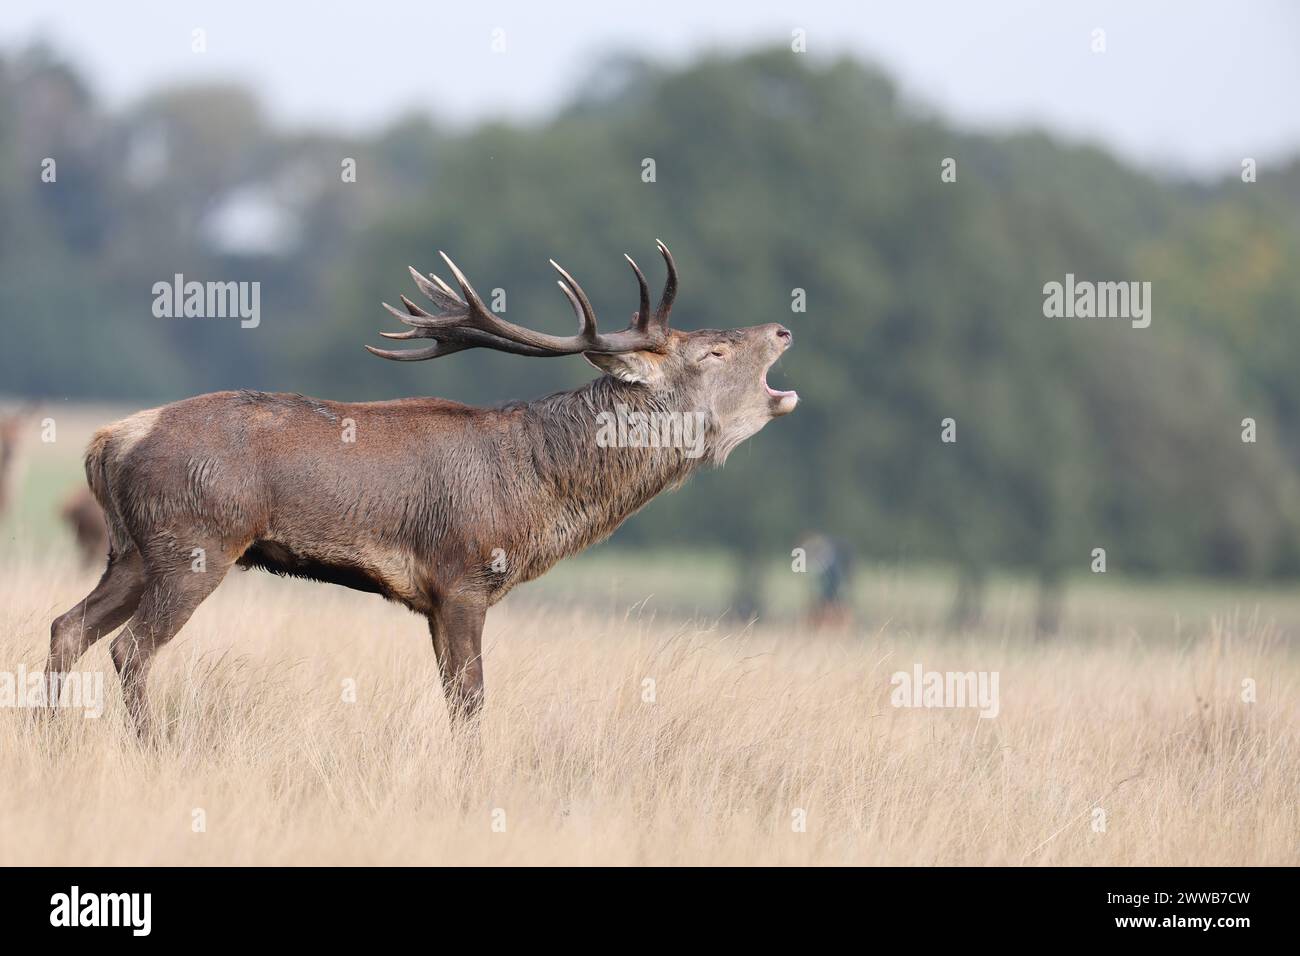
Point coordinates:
[[577, 309], [444, 287], [408, 355], [581, 304], [438, 291], [670, 287], [475, 303], [643, 311], [419, 319], [413, 309]]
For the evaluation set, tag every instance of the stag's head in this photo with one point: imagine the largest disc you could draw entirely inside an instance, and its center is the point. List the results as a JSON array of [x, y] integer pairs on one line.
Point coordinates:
[[722, 373]]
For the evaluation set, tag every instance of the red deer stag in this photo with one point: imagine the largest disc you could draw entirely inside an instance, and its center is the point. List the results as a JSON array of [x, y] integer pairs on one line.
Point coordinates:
[[81, 513], [438, 506], [10, 435]]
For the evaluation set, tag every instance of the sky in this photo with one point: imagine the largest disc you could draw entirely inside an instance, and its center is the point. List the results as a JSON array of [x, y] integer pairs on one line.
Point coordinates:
[[1188, 87]]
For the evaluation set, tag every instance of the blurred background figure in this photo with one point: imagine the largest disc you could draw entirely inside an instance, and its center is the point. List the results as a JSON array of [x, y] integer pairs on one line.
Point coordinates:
[[82, 514], [830, 562], [747, 592], [10, 438], [967, 609]]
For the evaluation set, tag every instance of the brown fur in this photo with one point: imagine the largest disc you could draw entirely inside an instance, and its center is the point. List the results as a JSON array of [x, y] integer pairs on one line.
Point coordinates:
[[423, 507]]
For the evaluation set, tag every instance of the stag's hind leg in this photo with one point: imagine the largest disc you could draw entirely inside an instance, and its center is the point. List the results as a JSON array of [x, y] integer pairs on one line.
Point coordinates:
[[99, 614], [168, 599]]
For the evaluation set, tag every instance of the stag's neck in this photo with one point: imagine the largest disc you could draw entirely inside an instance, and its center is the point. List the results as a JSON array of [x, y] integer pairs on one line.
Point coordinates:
[[577, 489]]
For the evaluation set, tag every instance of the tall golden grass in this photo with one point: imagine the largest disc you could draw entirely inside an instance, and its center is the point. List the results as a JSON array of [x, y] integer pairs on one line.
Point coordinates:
[[752, 745]]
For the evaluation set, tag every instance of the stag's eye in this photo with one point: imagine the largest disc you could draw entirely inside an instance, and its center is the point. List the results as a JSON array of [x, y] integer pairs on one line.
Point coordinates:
[[718, 353]]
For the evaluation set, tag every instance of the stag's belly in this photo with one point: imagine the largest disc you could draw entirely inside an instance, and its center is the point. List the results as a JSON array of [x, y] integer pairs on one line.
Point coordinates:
[[372, 570]]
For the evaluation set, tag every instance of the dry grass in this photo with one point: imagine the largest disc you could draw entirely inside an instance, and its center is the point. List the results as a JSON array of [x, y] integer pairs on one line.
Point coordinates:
[[746, 728]]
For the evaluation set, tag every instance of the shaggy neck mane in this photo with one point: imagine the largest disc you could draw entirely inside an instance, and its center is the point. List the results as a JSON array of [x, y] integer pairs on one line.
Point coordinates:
[[579, 490]]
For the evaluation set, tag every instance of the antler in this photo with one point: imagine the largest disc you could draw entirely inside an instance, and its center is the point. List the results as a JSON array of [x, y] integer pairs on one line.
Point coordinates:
[[466, 323]]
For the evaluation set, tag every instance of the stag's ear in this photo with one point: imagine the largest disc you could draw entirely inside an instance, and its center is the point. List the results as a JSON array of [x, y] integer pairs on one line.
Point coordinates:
[[639, 368]]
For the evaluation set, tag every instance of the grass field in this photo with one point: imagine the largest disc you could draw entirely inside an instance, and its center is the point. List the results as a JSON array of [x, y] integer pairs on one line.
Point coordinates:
[[304, 724], [755, 745]]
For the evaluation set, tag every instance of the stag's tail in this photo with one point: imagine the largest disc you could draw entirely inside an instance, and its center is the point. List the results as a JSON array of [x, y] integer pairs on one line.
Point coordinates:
[[96, 473], [98, 456]]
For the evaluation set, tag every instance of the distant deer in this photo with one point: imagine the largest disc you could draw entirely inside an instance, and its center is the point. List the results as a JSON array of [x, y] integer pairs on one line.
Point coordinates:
[[10, 436], [435, 505], [82, 514]]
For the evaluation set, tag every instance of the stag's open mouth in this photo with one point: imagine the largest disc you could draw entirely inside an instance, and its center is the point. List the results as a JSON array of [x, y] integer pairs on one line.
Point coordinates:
[[776, 392], [782, 402]]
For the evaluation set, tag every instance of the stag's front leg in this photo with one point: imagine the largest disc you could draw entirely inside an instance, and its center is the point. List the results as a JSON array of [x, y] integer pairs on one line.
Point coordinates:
[[457, 629]]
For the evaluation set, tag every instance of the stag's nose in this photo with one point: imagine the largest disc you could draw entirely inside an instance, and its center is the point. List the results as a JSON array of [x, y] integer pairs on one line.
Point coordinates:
[[784, 335]]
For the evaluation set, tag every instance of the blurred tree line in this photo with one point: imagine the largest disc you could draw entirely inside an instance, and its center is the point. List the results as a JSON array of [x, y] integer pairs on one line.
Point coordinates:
[[773, 172]]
